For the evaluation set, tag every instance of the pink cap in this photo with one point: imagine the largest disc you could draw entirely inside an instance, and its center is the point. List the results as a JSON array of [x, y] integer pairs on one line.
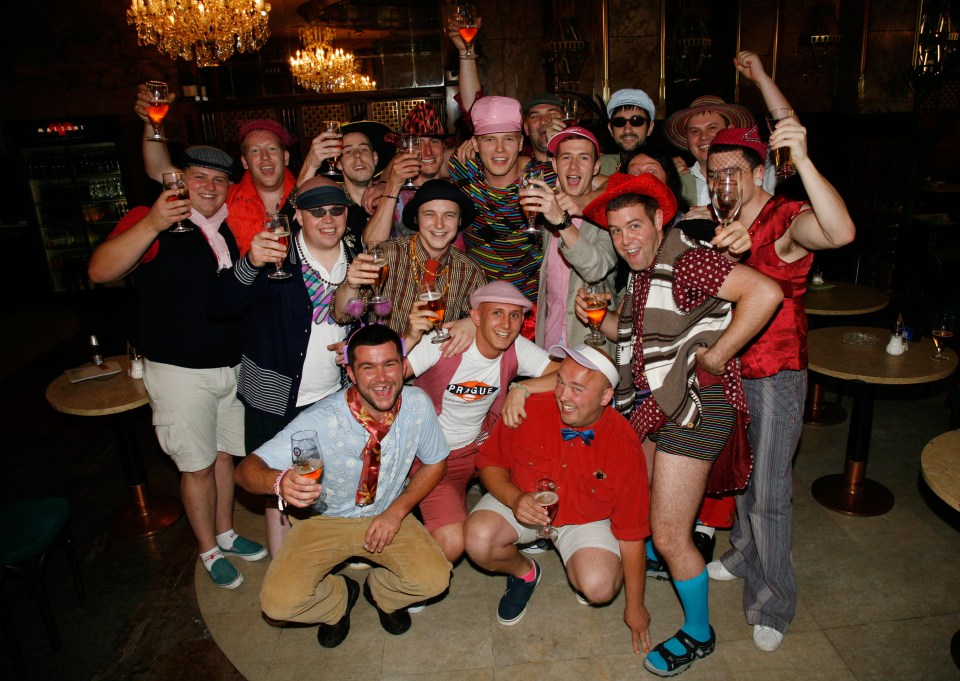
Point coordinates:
[[573, 131], [499, 292], [496, 114]]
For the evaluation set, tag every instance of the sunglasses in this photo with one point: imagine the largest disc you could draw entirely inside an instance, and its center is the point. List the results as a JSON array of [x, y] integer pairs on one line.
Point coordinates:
[[635, 121], [335, 211]]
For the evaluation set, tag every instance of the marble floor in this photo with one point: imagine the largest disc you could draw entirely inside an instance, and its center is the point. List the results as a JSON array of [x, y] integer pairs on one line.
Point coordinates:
[[879, 597]]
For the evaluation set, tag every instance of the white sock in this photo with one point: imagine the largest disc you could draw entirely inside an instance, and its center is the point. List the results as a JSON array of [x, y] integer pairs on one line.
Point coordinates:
[[225, 540], [208, 557], [705, 529]]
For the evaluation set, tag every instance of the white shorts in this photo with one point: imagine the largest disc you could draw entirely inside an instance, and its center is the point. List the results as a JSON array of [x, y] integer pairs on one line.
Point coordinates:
[[196, 413], [569, 539]]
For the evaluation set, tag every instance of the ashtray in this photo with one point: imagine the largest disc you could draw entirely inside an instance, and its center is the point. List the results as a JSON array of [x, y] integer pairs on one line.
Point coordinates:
[[860, 339]]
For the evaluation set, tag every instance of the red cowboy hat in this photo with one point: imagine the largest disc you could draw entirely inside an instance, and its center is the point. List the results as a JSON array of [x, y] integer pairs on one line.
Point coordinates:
[[620, 184], [423, 121]]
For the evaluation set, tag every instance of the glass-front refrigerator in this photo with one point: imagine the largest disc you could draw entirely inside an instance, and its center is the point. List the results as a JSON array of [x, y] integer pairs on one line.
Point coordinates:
[[77, 188]]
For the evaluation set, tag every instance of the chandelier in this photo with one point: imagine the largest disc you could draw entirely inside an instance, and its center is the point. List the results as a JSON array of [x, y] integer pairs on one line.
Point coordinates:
[[324, 69], [209, 31]]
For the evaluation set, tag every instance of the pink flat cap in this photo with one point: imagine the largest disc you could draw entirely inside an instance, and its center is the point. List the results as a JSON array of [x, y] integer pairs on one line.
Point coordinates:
[[496, 114], [499, 292]]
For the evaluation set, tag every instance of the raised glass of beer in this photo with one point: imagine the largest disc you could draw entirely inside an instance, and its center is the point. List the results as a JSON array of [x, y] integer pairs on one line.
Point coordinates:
[[175, 181], [435, 300], [307, 456], [781, 156], [596, 306], [376, 251], [157, 110], [279, 225]]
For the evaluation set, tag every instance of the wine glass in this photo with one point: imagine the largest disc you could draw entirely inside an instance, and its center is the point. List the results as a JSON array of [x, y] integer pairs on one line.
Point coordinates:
[[596, 306], [526, 177], [546, 495], [175, 181], [380, 260], [332, 127], [726, 193], [410, 144], [436, 302], [781, 156], [307, 456], [280, 226], [157, 111], [465, 18], [942, 335]]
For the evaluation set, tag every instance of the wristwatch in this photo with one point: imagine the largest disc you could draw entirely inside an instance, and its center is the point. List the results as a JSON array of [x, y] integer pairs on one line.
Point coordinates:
[[567, 221]]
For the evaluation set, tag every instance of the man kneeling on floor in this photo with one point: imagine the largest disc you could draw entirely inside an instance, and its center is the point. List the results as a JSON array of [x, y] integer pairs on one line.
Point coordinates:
[[370, 434], [596, 463]]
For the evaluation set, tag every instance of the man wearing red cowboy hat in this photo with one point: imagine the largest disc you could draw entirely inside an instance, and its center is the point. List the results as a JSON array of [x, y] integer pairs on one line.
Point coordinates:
[[390, 195], [263, 188], [784, 234], [692, 129], [687, 379]]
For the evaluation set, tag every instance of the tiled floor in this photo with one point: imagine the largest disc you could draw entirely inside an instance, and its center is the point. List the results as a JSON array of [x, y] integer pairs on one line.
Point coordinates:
[[879, 597]]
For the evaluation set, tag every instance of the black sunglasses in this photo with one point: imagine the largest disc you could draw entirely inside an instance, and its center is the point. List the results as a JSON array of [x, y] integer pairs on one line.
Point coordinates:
[[635, 121], [335, 211]]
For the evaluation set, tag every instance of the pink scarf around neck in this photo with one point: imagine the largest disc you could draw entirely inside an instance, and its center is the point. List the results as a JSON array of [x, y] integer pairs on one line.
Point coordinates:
[[211, 230]]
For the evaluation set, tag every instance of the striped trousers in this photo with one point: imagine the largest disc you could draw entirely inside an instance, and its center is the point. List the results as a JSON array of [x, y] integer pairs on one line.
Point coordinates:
[[763, 534]]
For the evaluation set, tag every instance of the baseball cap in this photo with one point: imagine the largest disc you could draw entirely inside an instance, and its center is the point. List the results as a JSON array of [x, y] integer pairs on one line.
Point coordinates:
[[573, 131], [627, 97], [591, 358]]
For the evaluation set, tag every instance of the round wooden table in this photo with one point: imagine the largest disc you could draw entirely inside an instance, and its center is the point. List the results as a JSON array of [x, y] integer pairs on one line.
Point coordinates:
[[866, 366], [117, 396], [940, 465], [834, 300]]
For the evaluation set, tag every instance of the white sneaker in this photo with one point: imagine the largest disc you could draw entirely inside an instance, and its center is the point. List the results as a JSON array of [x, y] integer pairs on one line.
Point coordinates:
[[766, 638], [414, 609], [580, 599], [718, 573]]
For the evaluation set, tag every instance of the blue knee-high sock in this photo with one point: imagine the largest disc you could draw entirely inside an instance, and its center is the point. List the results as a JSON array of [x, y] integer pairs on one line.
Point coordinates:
[[696, 616], [651, 550]]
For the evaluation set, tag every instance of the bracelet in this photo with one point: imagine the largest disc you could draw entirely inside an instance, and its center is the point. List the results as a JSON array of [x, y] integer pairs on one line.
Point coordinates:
[[468, 56], [517, 386], [281, 504], [391, 196]]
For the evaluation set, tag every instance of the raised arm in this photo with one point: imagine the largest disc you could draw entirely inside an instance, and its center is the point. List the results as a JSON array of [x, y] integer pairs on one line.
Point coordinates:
[[749, 64], [401, 168], [469, 78], [156, 156]]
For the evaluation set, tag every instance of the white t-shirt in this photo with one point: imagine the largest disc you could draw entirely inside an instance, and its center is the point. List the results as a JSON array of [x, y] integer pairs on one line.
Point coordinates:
[[474, 385], [321, 375]]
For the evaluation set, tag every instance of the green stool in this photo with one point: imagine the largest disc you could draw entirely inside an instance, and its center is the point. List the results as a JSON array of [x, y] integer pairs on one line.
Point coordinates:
[[28, 530]]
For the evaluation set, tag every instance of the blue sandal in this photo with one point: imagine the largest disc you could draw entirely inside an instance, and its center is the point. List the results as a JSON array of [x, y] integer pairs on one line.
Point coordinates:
[[693, 650]]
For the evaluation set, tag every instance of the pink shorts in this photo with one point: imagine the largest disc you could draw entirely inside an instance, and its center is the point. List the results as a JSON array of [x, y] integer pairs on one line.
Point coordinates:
[[447, 503]]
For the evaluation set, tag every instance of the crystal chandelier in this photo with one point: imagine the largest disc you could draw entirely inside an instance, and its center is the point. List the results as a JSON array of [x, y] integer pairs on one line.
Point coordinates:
[[324, 69], [209, 31]]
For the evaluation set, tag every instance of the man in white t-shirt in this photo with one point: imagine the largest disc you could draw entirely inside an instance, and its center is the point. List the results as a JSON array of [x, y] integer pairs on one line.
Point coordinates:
[[470, 392]]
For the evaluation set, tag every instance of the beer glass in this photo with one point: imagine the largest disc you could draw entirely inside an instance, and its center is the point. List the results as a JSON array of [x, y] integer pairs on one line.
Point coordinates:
[[175, 181], [157, 111], [435, 300], [546, 495], [280, 226], [307, 456]]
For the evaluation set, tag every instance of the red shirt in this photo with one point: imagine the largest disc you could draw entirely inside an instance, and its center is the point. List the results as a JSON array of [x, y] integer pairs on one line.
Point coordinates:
[[607, 479], [135, 215], [247, 213]]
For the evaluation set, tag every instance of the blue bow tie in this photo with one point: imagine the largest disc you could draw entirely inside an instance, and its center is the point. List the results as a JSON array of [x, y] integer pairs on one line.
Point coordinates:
[[570, 433]]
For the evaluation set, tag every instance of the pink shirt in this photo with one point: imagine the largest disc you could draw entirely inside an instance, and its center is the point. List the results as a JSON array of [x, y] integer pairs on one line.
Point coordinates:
[[557, 272]]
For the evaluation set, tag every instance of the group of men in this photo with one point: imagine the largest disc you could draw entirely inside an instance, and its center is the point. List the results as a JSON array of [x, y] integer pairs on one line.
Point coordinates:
[[701, 379]]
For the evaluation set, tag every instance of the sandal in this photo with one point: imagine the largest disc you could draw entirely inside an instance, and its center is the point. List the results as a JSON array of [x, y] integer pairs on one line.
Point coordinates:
[[678, 663]]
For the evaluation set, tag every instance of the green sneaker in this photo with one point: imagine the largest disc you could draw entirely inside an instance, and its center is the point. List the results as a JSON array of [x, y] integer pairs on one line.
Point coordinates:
[[225, 575], [244, 549]]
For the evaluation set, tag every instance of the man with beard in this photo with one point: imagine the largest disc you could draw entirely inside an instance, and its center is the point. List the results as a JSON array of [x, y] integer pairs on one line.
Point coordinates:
[[263, 188], [191, 359], [631, 115], [287, 363], [378, 427]]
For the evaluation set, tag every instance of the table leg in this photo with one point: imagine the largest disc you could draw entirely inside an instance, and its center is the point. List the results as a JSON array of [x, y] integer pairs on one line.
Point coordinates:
[[146, 515], [819, 412], [852, 493]]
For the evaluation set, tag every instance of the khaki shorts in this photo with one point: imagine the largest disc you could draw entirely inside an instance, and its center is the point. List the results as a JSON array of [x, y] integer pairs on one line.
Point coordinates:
[[569, 539], [196, 413]]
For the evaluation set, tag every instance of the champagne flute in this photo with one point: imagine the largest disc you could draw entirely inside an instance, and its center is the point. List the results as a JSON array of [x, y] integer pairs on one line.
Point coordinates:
[[332, 127], [526, 177], [280, 226], [726, 193], [436, 303], [175, 181], [410, 144], [546, 495], [942, 335], [307, 456], [380, 260], [596, 306], [157, 111], [466, 18], [781, 156]]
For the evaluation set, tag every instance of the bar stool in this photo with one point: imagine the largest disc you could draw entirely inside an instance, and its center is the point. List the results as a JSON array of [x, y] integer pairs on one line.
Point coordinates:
[[28, 530]]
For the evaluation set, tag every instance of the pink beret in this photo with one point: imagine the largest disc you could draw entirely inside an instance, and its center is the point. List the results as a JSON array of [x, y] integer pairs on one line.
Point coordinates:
[[499, 292], [496, 114]]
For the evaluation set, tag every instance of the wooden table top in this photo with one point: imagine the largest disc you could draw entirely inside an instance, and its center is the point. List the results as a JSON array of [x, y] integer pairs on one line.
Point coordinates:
[[940, 464], [845, 299], [117, 394], [831, 356]]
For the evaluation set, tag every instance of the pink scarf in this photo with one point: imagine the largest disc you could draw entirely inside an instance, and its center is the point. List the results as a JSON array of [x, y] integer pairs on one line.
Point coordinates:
[[211, 230]]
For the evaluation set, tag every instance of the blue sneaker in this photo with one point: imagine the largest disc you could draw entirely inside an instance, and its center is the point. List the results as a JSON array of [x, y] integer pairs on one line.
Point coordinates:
[[244, 549], [513, 603], [225, 575]]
